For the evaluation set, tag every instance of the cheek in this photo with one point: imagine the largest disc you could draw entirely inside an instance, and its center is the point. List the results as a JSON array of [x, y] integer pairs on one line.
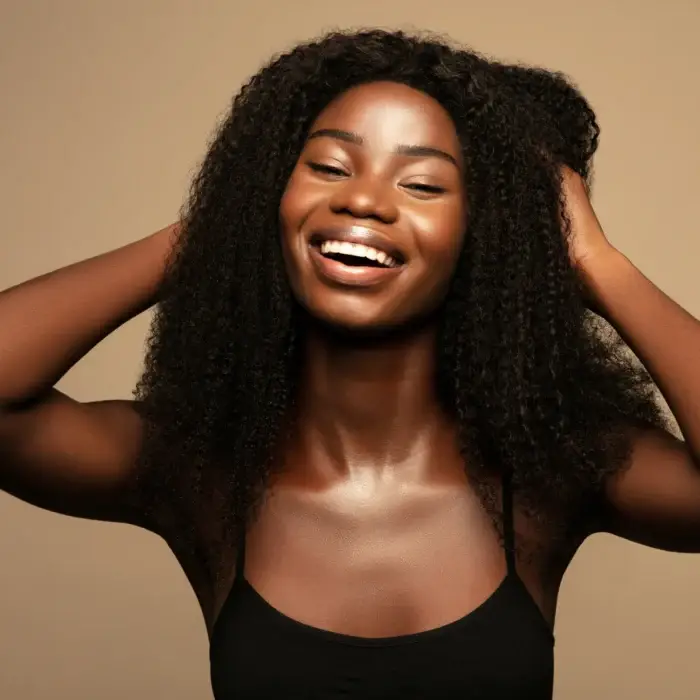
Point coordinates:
[[442, 237], [295, 207], [300, 198], [288, 209]]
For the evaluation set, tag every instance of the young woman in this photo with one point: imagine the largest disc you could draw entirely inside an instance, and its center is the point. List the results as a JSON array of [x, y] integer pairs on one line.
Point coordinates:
[[379, 412]]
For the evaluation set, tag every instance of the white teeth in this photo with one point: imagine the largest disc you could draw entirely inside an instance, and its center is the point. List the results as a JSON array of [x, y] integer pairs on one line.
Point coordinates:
[[358, 250]]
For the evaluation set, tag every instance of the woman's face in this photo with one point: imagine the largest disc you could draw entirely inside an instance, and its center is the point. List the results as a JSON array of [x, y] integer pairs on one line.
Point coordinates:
[[373, 216]]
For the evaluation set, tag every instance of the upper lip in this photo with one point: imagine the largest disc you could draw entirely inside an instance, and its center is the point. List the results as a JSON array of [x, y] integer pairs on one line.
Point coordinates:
[[359, 234]]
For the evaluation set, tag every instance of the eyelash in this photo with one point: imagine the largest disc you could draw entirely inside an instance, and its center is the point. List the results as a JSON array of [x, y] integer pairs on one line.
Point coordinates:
[[327, 169], [338, 172], [428, 189]]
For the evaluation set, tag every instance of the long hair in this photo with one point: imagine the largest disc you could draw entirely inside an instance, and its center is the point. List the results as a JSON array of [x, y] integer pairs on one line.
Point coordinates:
[[539, 393]]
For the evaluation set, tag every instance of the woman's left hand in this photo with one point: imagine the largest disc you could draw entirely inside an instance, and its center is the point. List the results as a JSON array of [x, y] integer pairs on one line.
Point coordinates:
[[588, 243], [593, 256]]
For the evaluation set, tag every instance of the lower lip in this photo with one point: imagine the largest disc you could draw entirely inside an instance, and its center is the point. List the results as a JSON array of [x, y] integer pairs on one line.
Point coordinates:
[[351, 276]]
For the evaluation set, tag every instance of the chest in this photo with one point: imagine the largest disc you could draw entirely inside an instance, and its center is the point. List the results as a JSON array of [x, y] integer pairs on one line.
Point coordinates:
[[399, 595], [374, 562]]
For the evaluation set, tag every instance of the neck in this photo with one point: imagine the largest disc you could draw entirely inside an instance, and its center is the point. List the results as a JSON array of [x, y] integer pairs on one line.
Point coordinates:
[[369, 404]]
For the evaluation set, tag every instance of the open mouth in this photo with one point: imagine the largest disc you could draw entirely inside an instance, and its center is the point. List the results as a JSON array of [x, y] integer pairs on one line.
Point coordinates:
[[356, 254]]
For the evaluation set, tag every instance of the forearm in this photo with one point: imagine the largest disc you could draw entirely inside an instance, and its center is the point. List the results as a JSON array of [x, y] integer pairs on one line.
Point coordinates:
[[47, 324], [664, 336]]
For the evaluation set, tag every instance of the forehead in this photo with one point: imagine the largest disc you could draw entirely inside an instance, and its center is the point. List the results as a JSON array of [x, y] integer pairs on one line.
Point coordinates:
[[390, 113]]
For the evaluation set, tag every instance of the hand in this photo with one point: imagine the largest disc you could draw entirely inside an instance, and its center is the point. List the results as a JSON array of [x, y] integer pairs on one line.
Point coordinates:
[[595, 259], [588, 242]]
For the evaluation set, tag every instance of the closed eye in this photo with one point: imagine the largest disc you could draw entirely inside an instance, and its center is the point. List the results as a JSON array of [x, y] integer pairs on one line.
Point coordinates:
[[327, 169], [427, 189]]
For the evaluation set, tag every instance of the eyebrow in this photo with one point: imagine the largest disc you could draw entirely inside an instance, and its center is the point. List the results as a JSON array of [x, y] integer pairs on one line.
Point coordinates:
[[403, 149]]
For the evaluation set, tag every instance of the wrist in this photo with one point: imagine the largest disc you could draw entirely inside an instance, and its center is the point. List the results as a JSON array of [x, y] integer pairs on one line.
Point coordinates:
[[605, 275]]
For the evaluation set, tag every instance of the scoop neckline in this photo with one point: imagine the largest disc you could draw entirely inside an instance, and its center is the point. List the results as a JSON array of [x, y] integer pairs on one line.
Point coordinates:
[[354, 640]]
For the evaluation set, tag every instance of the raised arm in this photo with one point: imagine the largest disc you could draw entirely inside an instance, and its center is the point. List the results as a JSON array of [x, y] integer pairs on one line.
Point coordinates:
[[656, 500], [57, 453]]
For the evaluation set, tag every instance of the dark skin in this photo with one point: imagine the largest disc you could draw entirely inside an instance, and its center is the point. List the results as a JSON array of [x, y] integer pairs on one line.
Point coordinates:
[[373, 501], [371, 528]]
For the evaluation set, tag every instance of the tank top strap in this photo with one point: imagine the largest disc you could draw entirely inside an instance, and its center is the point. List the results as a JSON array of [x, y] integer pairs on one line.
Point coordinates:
[[508, 523]]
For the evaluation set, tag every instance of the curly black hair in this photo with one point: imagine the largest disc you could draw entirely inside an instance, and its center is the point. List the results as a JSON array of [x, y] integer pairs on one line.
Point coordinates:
[[540, 394]]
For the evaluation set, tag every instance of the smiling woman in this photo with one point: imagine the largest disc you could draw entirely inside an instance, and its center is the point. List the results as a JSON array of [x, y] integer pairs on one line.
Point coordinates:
[[378, 415], [381, 168]]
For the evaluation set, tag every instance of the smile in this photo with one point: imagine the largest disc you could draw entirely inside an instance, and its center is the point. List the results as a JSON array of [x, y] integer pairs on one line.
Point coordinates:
[[356, 254], [352, 264]]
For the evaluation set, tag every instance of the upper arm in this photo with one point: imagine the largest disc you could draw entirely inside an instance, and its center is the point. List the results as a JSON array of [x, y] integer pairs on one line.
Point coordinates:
[[655, 500], [71, 457]]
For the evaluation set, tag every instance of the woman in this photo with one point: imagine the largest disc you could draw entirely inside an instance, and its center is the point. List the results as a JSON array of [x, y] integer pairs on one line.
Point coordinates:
[[378, 414]]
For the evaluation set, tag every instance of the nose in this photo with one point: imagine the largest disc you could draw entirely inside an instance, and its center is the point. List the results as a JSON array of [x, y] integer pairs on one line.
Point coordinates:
[[365, 198]]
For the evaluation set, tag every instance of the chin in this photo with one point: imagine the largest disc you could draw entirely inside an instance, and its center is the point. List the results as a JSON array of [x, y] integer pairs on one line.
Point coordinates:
[[336, 321], [358, 325]]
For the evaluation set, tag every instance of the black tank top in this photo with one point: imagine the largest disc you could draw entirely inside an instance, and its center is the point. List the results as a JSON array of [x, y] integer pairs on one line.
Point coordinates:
[[502, 650]]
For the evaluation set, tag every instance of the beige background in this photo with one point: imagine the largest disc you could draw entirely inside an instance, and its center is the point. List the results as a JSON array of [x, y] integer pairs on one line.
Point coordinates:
[[106, 106]]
